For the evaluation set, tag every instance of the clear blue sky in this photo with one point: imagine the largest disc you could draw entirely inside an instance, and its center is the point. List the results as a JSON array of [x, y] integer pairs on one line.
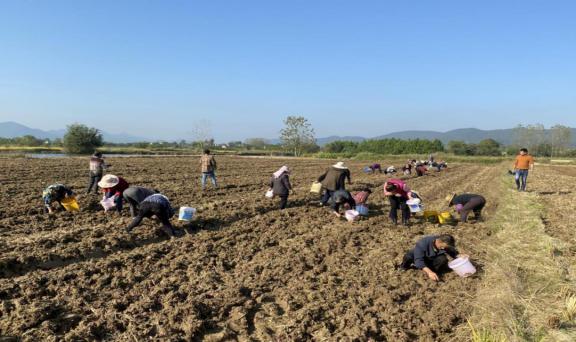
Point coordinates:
[[153, 68]]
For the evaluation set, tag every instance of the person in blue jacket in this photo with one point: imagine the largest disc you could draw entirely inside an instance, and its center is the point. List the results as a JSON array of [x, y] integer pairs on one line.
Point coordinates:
[[430, 255]]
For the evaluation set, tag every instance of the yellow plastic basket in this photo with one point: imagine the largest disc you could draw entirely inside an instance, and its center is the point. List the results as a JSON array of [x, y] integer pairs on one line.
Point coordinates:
[[70, 204], [445, 217]]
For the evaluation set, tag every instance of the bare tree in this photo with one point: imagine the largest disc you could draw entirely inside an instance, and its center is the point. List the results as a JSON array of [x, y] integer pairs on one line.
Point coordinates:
[[297, 135], [530, 136], [560, 138], [202, 132]]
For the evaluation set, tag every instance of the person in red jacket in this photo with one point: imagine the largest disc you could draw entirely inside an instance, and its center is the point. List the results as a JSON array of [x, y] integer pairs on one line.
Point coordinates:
[[398, 193], [114, 186]]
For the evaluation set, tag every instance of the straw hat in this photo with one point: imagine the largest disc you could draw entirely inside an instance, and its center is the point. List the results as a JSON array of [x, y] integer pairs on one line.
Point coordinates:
[[108, 181], [450, 198], [339, 165]]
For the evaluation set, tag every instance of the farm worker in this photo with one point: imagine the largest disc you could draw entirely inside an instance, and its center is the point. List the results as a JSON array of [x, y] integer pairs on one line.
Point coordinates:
[[114, 186], [158, 205], [407, 168], [55, 193], [361, 197], [375, 167], [208, 165], [97, 167], [342, 198], [334, 179], [429, 255], [430, 158], [522, 164], [390, 170], [134, 195], [280, 185], [465, 203], [398, 193], [420, 169]]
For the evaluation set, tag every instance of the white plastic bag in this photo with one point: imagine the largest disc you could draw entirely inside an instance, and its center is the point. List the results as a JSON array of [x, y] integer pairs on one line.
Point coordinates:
[[269, 194]]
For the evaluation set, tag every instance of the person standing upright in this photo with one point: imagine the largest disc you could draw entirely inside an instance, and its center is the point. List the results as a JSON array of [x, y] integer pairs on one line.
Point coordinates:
[[97, 167], [280, 185], [208, 165], [522, 164]]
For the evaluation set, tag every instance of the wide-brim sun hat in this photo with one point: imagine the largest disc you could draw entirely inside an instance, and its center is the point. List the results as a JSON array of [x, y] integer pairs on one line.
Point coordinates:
[[450, 198], [339, 165], [108, 181]]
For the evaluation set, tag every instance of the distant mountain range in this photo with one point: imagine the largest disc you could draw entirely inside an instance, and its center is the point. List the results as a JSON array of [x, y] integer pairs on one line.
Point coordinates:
[[13, 129], [468, 135]]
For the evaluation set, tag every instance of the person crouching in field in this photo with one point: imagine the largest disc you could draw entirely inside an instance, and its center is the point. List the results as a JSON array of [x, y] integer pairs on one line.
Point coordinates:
[[114, 187], [208, 166], [407, 168], [375, 167], [390, 170], [97, 168], [334, 179], [55, 193], [421, 169], [430, 255], [134, 195], [361, 197], [280, 185], [155, 205], [342, 198], [522, 164], [466, 203]]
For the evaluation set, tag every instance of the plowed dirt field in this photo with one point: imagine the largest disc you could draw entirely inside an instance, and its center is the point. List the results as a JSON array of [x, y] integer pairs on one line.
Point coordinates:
[[243, 270]]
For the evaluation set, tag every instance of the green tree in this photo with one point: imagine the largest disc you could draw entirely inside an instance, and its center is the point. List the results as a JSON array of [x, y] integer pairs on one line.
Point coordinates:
[[457, 147], [488, 147], [297, 135], [80, 139]]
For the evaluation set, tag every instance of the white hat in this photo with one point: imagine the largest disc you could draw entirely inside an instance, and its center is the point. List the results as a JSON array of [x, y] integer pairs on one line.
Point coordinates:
[[339, 165], [108, 181]]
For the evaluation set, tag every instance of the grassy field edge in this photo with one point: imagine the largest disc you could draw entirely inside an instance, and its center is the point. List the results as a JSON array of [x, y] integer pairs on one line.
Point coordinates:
[[524, 296]]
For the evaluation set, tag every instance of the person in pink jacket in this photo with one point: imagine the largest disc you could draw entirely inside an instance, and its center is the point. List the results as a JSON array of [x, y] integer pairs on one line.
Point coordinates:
[[398, 193]]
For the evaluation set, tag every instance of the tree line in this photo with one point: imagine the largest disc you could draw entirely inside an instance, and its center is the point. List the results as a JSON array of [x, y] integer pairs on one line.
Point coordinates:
[[298, 138], [386, 146]]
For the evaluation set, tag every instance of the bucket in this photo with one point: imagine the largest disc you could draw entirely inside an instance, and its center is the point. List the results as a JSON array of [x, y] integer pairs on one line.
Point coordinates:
[[316, 188], [186, 214], [108, 203], [351, 215], [414, 205], [462, 266], [269, 194], [70, 204], [431, 216], [445, 217], [362, 210]]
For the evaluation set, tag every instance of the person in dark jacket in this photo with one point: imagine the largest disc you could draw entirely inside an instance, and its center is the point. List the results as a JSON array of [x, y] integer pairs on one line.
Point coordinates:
[[334, 179], [155, 205], [280, 185], [55, 193], [342, 198], [114, 186], [429, 255], [134, 195], [466, 203], [97, 168]]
